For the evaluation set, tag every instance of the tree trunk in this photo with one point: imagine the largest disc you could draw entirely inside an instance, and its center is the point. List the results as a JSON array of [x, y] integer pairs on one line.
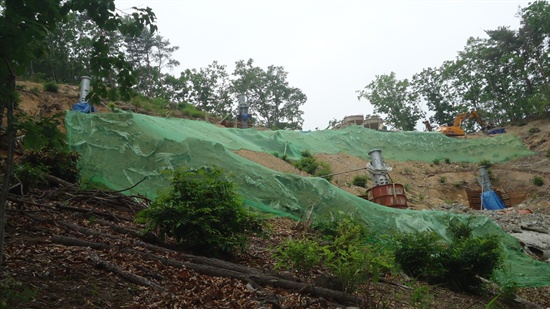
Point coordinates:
[[9, 106]]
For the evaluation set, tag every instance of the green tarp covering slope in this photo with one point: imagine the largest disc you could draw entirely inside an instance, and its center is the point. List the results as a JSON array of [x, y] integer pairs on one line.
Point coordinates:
[[118, 150]]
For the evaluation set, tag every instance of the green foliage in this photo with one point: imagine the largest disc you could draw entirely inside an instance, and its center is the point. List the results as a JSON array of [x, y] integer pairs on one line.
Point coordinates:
[[458, 264], [417, 254], [485, 163], [273, 102], [307, 164], [534, 130], [202, 211], [310, 165], [443, 179], [190, 111], [112, 106], [548, 153], [351, 259], [300, 255], [346, 253], [421, 297], [360, 181], [60, 163], [436, 161], [341, 223], [46, 149], [51, 87], [323, 170], [29, 176], [538, 181], [13, 294], [42, 133], [285, 158], [447, 160], [395, 98]]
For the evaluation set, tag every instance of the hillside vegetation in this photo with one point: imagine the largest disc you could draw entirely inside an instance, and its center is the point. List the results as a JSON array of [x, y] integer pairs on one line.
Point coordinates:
[[72, 248]]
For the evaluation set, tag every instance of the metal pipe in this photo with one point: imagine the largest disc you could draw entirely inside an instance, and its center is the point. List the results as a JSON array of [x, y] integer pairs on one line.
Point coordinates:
[[84, 88], [377, 168]]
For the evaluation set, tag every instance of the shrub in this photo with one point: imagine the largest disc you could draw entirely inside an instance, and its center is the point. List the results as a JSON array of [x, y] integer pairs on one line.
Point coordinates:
[[310, 165], [548, 153], [436, 162], [458, 264], [360, 181], [51, 87], [351, 260], [307, 164], [486, 163], [534, 130], [13, 294], [300, 255], [341, 224], [443, 179], [46, 149], [203, 212], [29, 176], [538, 181], [417, 254], [323, 170], [56, 162], [447, 160], [350, 256]]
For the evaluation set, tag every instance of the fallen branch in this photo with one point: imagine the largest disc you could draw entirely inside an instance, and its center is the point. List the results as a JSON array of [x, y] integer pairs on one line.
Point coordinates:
[[125, 274], [245, 274]]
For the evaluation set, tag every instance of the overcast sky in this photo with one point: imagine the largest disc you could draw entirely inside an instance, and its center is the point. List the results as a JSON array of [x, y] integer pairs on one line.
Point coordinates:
[[330, 49]]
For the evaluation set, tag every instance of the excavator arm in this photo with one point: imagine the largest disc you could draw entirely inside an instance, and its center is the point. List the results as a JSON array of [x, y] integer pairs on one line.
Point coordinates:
[[456, 128]]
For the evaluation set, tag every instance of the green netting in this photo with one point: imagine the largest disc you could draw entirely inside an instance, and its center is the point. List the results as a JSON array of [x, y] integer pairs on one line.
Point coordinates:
[[119, 150]]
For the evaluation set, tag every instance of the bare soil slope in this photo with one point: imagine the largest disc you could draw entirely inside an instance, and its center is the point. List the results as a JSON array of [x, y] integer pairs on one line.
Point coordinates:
[[81, 249]]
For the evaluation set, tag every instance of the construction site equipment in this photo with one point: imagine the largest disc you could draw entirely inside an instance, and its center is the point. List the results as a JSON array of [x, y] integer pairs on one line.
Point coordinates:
[[244, 119], [455, 129], [474, 198], [83, 106], [384, 192], [428, 125], [489, 199]]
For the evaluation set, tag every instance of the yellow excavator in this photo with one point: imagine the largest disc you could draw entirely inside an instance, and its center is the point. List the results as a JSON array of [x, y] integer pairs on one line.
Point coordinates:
[[455, 128]]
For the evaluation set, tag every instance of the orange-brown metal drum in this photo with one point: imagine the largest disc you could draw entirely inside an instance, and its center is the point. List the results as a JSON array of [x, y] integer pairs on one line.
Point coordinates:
[[391, 195]]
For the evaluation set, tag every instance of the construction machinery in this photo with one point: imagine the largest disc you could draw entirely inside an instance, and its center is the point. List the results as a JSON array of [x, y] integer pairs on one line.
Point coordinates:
[[455, 129]]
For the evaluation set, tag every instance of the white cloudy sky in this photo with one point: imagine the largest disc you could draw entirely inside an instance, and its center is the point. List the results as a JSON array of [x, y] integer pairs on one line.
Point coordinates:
[[330, 49]]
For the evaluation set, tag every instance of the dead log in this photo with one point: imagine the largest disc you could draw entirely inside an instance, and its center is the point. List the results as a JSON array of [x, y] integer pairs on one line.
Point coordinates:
[[14, 199], [126, 275], [246, 274]]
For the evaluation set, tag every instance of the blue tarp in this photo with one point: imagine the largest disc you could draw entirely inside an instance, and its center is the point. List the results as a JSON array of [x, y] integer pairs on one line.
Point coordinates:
[[84, 107], [497, 131], [491, 201]]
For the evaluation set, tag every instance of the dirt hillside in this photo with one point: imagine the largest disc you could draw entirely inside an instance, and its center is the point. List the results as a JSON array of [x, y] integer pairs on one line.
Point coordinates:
[[75, 248]]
